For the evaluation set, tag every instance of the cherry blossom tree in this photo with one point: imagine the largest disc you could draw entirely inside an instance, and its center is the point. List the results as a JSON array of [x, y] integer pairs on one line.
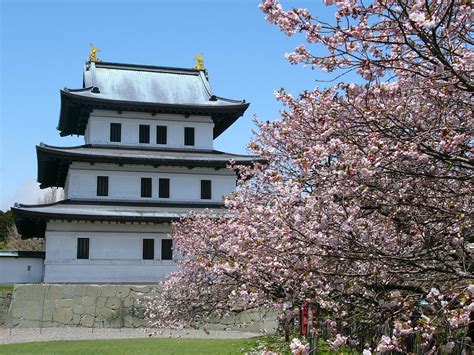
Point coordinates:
[[364, 204]]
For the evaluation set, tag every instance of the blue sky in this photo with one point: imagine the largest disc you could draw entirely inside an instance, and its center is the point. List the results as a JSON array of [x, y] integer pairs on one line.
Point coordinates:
[[45, 45]]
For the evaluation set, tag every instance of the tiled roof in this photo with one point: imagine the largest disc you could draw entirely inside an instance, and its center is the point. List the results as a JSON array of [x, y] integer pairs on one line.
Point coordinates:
[[143, 88], [137, 83]]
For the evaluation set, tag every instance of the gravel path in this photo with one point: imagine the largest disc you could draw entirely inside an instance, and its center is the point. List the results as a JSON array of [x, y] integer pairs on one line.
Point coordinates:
[[26, 335]]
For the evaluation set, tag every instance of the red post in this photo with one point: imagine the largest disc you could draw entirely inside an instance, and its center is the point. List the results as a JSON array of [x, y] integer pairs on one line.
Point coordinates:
[[304, 312], [304, 318]]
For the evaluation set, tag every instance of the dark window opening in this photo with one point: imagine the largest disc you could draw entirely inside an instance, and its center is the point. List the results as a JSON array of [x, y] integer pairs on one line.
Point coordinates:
[[148, 249], [146, 187], [188, 135], [102, 185], [164, 188], [144, 133], [83, 248], [115, 132], [166, 249], [206, 189], [161, 134]]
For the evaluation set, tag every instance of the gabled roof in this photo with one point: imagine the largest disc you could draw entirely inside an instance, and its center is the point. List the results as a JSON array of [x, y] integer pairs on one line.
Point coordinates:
[[143, 88], [53, 162], [31, 219]]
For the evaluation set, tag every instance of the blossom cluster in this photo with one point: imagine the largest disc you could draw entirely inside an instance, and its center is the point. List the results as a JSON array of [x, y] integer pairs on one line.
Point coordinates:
[[364, 203]]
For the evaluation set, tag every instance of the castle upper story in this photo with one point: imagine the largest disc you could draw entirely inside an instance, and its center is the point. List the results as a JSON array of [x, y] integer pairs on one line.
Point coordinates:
[[146, 106]]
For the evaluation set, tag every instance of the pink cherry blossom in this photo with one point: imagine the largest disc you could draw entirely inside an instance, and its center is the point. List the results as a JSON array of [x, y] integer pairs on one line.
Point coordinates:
[[364, 204]]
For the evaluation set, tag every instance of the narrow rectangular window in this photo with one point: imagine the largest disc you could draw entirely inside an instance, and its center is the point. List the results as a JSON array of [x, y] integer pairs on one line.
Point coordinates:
[[164, 188], [102, 185], [144, 133], [161, 134], [188, 135], [206, 189], [146, 187], [166, 249], [115, 132], [83, 248], [148, 249]]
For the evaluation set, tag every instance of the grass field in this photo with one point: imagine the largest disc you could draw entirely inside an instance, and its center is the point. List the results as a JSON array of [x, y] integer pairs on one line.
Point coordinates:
[[134, 346]]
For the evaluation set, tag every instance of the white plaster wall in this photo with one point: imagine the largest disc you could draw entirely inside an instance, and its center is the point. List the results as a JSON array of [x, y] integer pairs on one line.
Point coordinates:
[[125, 182], [112, 273], [115, 253], [15, 270], [66, 187], [98, 129]]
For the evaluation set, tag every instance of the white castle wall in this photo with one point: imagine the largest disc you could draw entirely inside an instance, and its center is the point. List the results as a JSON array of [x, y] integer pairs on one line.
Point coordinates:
[[116, 249], [125, 182], [115, 252], [98, 129], [21, 270]]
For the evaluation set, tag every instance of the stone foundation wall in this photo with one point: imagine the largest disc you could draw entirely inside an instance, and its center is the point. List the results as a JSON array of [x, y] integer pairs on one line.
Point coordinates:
[[5, 300], [97, 306], [101, 306]]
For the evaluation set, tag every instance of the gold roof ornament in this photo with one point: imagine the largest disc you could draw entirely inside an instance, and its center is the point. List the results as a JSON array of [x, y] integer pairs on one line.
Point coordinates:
[[200, 62], [92, 55]]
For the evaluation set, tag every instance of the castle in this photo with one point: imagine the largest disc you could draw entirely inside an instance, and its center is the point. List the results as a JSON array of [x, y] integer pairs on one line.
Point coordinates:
[[148, 160]]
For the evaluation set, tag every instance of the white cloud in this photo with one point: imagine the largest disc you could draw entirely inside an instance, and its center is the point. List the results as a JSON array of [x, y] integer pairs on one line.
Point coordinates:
[[28, 192]]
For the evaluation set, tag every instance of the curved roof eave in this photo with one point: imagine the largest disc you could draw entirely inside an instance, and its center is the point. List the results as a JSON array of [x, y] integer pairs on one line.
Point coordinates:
[[53, 162], [74, 105], [31, 219], [32, 224]]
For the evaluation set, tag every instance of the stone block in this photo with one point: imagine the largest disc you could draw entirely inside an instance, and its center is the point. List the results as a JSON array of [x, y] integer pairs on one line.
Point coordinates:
[[86, 300], [20, 292], [134, 322], [28, 309], [76, 319], [49, 303], [115, 323], [55, 292], [80, 290], [108, 313], [108, 291], [16, 311], [13, 322], [78, 309], [48, 314], [128, 320], [64, 303], [39, 292], [123, 291], [87, 321], [92, 291], [128, 302], [62, 315], [113, 303], [69, 291], [101, 301], [90, 310]]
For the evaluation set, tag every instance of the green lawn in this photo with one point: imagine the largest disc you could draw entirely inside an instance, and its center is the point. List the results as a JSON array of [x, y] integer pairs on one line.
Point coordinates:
[[133, 346]]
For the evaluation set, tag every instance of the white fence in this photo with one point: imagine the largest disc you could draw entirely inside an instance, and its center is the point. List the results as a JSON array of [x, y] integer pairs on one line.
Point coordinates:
[[21, 267]]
